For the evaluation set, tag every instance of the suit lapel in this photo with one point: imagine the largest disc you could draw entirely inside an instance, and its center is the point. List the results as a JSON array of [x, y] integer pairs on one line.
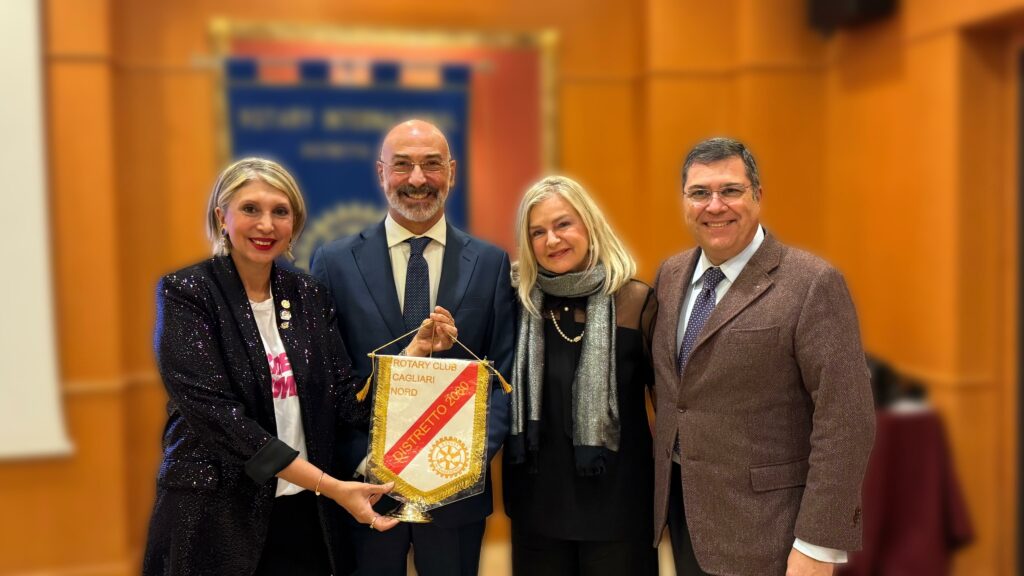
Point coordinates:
[[374, 262], [673, 282], [753, 281], [234, 292], [456, 269]]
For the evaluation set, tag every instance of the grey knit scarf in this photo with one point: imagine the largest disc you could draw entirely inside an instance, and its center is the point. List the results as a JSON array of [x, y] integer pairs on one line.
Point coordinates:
[[595, 403]]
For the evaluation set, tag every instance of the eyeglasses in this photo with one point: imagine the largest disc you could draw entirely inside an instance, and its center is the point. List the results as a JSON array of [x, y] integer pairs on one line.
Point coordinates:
[[433, 165], [727, 194]]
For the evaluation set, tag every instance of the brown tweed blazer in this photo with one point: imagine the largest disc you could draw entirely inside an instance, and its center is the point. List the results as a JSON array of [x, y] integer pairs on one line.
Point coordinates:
[[774, 412]]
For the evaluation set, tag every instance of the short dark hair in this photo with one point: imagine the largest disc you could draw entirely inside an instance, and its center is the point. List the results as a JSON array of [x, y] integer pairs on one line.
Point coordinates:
[[721, 148]]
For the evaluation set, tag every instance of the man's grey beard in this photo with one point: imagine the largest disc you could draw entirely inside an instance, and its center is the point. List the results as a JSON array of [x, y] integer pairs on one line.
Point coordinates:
[[416, 214]]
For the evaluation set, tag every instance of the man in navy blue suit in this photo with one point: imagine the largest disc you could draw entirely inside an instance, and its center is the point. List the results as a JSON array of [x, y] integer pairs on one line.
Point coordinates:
[[383, 280]]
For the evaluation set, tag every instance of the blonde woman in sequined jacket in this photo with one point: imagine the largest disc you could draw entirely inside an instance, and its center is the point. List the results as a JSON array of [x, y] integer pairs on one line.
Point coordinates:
[[258, 380]]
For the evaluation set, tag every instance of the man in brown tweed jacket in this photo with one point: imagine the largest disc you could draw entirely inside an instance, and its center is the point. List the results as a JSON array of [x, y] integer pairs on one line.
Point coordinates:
[[764, 408]]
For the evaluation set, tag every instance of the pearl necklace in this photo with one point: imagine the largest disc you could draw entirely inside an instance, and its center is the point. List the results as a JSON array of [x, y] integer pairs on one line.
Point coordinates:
[[574, 339]]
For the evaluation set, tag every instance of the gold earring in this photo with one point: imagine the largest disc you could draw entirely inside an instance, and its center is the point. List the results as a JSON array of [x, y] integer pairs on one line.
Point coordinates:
[[224, 246], [288, 252]]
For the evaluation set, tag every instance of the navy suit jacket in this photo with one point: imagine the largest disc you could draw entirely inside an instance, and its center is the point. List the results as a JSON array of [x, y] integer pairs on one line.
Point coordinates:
[[475, 287]]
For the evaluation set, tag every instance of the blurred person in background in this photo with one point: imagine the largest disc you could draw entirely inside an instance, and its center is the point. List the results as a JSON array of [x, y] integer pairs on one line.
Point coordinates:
[[258, 381], [578, 474], [384, 281], [764, 408]]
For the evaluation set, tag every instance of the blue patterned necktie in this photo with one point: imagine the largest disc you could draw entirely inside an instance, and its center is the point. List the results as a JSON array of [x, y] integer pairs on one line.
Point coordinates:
[[698, 316], [417, 285]]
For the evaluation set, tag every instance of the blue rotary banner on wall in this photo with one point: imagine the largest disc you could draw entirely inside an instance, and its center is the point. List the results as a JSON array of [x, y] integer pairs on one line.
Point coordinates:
[[328, 135]]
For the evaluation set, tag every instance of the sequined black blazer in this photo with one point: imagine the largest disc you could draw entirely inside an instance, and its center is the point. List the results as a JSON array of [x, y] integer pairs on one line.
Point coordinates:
[[216, 484]]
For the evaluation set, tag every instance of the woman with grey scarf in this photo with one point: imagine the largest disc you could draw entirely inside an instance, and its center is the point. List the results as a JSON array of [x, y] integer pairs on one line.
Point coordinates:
[[578, 471]]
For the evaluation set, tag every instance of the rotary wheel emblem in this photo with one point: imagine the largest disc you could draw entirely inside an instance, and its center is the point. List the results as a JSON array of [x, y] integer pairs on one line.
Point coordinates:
[[448, 457]]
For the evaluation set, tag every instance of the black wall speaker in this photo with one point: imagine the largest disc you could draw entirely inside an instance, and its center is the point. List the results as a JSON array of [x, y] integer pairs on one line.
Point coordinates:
[[828, 15]]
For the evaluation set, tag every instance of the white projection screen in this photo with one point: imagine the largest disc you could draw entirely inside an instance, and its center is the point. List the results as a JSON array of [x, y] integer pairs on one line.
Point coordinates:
[[31, 417]]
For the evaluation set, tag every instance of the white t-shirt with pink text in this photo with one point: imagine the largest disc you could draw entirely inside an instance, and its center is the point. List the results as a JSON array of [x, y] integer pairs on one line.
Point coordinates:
[[287, 412]]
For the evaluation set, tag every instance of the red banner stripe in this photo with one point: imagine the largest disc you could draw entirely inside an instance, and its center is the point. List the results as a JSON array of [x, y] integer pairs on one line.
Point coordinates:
[[439, 413]]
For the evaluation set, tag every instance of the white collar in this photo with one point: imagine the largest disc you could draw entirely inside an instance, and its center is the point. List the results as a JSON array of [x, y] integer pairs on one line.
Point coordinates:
[[396, 233], [733, 266]]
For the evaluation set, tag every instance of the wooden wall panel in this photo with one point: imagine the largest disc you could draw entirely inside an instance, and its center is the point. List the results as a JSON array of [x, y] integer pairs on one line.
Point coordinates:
[[930, 231], [691, 35], [980, 182], [600, 149], [775, 34], [866, 133], [987, 434], [970, 413], [680, 111], [189, 127], [930, 16], [78, 27], [137, 34], [790, 167], [1009, 295], [85, 225], [598, 39], [143, 203], [143, 421], [63, 513]]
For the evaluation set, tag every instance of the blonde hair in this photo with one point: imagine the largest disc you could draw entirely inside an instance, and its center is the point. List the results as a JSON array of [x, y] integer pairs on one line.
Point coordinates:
[[605, 246], [237, 175]]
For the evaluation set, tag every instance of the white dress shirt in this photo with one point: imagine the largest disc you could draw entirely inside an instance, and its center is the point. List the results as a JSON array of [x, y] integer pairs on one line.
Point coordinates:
[[400, 251], [731, 268]]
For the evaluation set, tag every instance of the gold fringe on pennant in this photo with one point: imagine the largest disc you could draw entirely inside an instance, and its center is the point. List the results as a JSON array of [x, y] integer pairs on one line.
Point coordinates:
[[362, 394], [504, 383]]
